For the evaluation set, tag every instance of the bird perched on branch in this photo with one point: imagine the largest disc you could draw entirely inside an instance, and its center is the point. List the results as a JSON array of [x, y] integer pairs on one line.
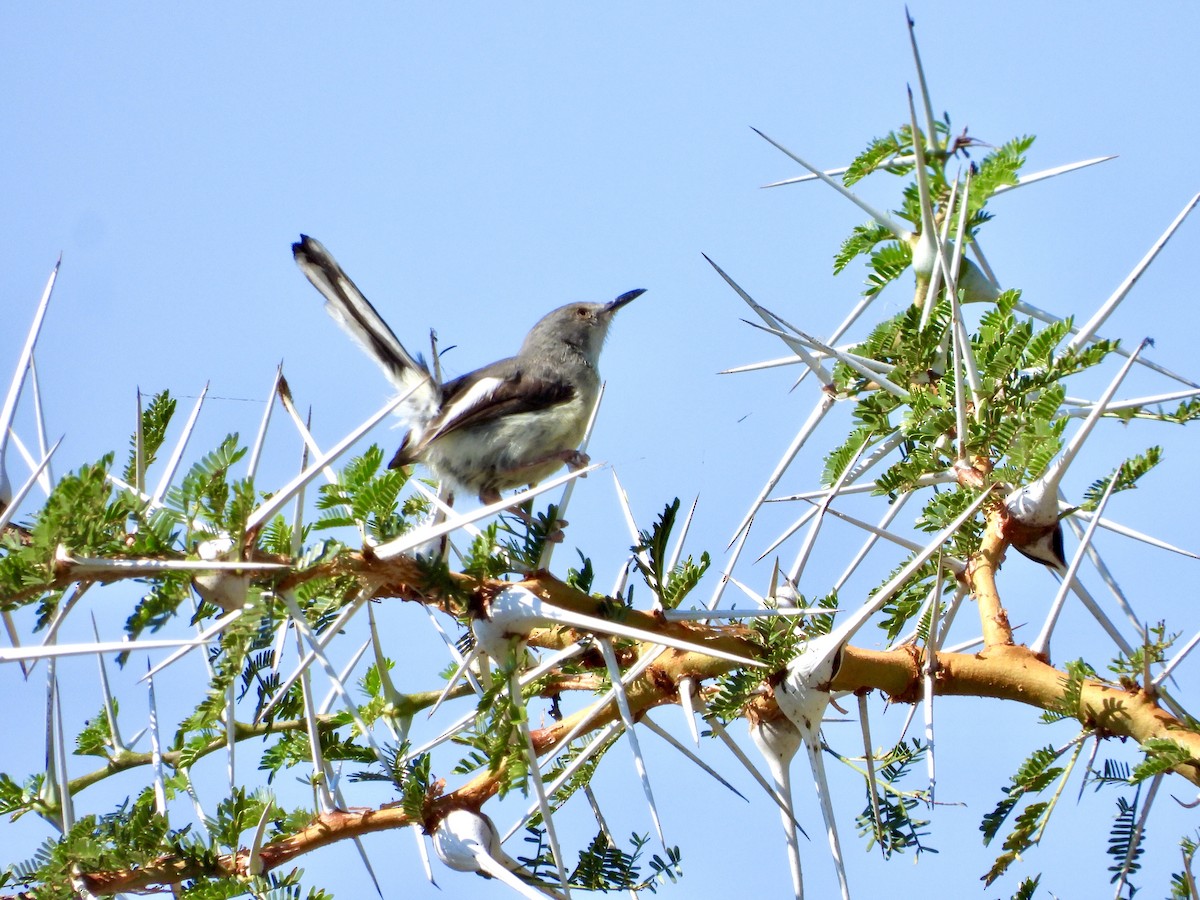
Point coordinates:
[[508, 424]]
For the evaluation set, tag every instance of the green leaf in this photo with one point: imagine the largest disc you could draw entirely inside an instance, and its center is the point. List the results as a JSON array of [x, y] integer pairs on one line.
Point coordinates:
[[1161, 755], [156, 416]]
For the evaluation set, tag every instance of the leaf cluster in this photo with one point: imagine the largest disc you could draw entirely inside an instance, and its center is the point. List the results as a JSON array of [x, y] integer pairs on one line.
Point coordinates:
[[652, 558], [898, 828]]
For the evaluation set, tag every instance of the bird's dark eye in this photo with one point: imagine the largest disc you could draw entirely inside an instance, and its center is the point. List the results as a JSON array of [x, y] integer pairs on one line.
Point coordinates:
[[581, 312]]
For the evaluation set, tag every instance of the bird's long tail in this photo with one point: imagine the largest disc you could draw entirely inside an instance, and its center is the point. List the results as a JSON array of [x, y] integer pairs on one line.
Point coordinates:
[[358, 318]]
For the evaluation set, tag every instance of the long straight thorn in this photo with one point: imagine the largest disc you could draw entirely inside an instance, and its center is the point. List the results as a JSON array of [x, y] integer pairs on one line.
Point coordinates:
[[687, 702], [639, 762], [774, 322], [40, 418], [869, 757], [464, 666], [569, 490], [810, 539], [110, 710], [177, 454], [1034, 177], [778, 740], [930, 122], [415, 538], [261, 437], [1097, 319], [535, 776], [265, 511], [880, 217], [7, 512], [813, 744], [631, 525], [8, 411], [677, 553], [823, 406], [160, 792], [674, 742]]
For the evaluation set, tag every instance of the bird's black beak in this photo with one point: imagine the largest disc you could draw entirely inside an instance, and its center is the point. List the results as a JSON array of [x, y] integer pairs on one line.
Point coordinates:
[[627, 297]]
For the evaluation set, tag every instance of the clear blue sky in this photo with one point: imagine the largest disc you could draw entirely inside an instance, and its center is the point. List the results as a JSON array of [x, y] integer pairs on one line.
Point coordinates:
[[474, 165]]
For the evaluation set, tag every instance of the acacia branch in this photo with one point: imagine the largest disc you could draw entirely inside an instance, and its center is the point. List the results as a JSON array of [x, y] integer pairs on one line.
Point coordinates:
[[981, 575], [1002, 672]]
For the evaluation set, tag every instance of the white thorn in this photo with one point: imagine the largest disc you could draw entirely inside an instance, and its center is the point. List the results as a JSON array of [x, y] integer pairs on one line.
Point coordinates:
[[177, 454], [1034, 177], [463, 666], [268, 509], [775, 324], [639, 762], [535, 776], [260, 439], [810, 424], [687, 701], [883, 219], [415, 538], [869, 757], [1041, 646], [569, 490], [778, 740], [8, 411], [1036, 504], [1098, 318], [674, 742]]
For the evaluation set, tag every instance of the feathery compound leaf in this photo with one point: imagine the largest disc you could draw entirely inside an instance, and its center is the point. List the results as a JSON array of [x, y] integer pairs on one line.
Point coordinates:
[[998, 168], [1125, 843], [603, 867], [862, 240], [780, 638], [96, 738], [1019, 840], [840, 457], [1130, 471], [898, 830], [1039, 352], [1033, 776], [887, 264], [1070, 706], [155, 419], [1162, 755], [1150, 653], [212, 504], [131, 836], [908, 601], [1187, 411], [652, 556], [582, 776], [1183, 884], [878, 152], [367, 496]]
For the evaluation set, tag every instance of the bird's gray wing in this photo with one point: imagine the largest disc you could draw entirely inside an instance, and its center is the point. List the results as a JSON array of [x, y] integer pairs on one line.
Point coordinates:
[[358, 318], [503, 388], [497, 390]]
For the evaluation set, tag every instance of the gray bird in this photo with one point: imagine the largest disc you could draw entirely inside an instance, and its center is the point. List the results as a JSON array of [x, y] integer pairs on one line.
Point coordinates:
[[506, 425]]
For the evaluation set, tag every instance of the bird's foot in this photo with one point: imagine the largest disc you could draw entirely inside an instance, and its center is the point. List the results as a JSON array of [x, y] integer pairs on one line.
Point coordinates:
[[575, 460]]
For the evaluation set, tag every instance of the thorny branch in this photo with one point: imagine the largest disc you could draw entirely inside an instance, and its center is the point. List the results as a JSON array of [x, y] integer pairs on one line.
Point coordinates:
[[1001, 671]]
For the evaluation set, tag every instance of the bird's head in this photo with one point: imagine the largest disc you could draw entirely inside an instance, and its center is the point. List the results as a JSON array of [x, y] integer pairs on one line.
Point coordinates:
[[582, 326]]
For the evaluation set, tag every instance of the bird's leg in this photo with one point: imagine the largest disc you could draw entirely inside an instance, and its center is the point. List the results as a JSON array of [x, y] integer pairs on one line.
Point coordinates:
[[572, 459], [440, 512]]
